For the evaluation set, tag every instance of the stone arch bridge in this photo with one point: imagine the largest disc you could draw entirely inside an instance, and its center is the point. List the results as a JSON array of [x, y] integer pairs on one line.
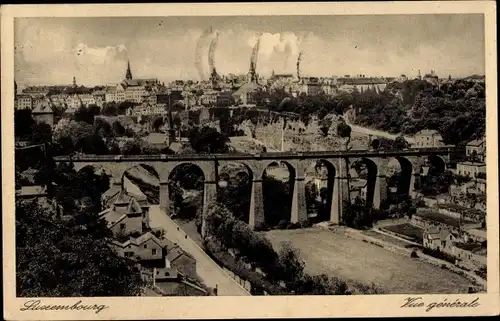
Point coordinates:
[[411, 161]]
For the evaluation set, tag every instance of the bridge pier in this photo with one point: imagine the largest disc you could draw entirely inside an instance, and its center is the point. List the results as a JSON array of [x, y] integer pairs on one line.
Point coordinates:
[[299, 210], [210, 194], [380, 191], [340, 193], [256, 214]]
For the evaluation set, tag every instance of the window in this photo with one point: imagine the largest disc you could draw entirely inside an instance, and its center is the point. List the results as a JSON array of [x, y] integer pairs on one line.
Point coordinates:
[[145, 246], [153, 251], [128, 254], [122, 226]]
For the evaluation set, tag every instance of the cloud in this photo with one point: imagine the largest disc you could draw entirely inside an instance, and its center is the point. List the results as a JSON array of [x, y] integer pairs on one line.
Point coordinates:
[[51, 52]]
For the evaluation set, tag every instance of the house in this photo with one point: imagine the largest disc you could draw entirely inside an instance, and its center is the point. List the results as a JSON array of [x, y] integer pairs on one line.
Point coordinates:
[[428, 138], [475, 235], [439, 239], [476, 150], [146, 247], [23, 102], [29, 192], [471, 169], [471, 256], [184, 262], [43, 112], [126, 216], [157, 140]]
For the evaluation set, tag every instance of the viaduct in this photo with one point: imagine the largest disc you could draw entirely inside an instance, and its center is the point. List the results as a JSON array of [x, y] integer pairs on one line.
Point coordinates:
[[411, 161]]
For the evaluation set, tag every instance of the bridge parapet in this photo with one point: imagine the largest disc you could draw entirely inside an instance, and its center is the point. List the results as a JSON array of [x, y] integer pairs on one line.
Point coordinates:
[[268, 155]]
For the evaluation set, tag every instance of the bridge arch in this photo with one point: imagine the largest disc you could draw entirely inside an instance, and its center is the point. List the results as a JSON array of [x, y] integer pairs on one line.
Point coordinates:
[[399, 176], [278, 190], [436, 164], [235, 188], [319, 184], [186, 190], [364, 183], [142, 181]]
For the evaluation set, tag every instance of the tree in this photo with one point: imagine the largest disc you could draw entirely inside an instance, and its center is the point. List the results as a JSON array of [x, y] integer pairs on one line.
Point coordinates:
[[23, 121], [375, 144], [289, 267], [118, 129], [344, 131], [40, 133], [357, 215], [103, 128], [110, 109], [401, 143], [76, 261], [321, 285], [157, 123], [208, 140], [325, 126], [86, 114], [92, 144], [132, 148]]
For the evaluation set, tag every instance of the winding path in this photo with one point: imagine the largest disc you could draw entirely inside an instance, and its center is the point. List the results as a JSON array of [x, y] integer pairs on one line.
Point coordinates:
[[211, 273]]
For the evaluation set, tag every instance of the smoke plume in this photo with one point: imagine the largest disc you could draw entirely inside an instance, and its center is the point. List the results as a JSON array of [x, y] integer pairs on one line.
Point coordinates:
[[199, 53]]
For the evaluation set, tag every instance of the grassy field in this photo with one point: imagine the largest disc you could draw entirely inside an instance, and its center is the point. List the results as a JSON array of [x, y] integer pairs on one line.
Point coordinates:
[[411, 231], [356, 261], [442, 218]]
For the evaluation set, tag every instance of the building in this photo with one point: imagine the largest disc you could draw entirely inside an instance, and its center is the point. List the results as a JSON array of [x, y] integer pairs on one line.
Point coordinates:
[[247, 94], [471, 169], [43, 112], [146, 247], [31, 192], [432, 218], [132, 90], [428, 138], [468, 254], [184, 262], [126, 215], [224, 99], [476, 150], [23, 102], [209, 98], [432, 78], [311, 86]]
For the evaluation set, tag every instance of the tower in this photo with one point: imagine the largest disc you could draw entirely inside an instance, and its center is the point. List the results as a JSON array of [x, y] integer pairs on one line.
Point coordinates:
[[15, 88], [419, 75], [128, 75], [74, 82]]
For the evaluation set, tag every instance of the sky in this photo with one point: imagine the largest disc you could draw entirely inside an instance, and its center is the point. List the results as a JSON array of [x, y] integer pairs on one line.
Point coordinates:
[[95, 50]]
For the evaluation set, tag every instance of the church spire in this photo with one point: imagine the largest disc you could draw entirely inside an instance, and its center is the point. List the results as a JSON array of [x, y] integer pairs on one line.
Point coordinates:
[[74, 82], [129, 73]]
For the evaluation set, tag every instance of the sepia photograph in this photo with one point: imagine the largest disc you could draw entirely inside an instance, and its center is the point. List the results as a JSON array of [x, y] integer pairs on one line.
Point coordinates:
[[249, 155]]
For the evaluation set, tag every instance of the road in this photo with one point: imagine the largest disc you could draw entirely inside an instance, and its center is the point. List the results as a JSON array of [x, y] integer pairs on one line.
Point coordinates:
[[211, 273], [379, 133]]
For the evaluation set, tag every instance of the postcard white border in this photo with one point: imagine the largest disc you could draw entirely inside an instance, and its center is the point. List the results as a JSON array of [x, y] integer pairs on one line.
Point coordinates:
[[256, 306]]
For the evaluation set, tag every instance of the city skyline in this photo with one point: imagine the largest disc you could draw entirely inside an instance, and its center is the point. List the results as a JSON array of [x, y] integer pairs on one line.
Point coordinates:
[[96, 50]]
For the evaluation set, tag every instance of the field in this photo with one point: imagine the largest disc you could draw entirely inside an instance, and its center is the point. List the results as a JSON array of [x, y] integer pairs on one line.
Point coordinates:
[[356, 261], [411, 231], [442, 218]]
